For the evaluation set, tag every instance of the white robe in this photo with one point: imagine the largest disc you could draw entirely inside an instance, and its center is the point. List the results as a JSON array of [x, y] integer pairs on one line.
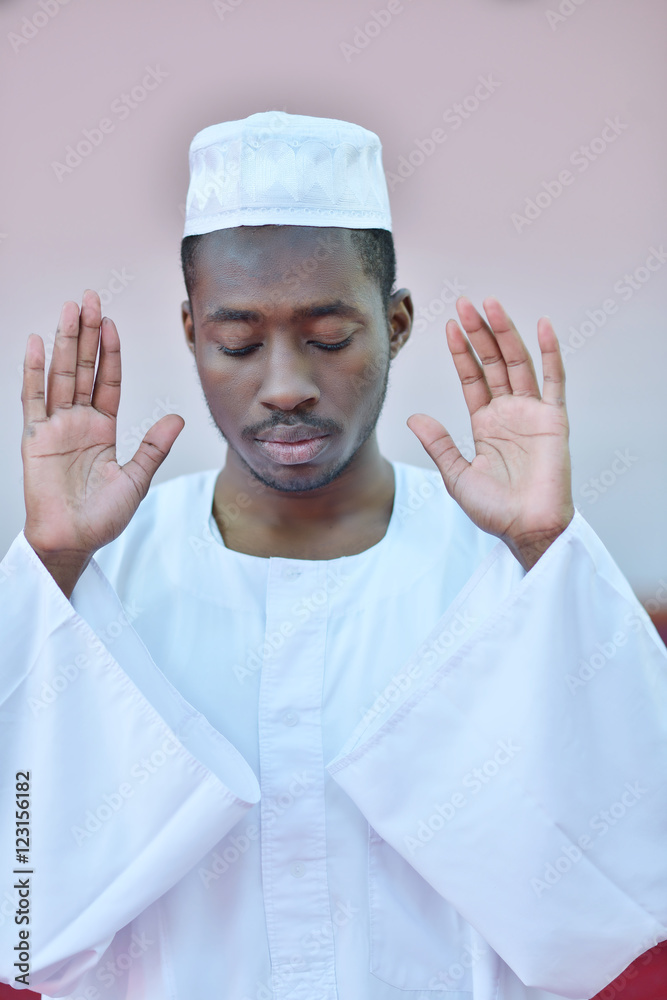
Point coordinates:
[[416, 772]]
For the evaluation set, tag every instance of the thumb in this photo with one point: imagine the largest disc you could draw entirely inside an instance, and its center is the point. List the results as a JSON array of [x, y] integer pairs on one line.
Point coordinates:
[[153, 450], [439, 445]]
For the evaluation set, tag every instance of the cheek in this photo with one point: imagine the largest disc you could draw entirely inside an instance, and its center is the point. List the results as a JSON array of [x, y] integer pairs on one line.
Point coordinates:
[[361, 380], [230, 392], [215, 369]]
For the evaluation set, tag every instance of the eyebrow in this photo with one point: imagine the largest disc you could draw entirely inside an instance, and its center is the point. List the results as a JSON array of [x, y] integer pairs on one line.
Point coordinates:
[[336, 308], [223, 314]]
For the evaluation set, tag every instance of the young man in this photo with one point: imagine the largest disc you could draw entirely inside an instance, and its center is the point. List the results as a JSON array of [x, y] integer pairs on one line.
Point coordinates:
[[319, 725]]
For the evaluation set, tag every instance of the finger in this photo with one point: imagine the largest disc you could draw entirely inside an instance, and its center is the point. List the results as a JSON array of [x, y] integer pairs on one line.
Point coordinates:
[[486, 346], [439, 445], [153, 450], [62, 370], [89, 337], [553, 369], [106, 394], [519, 364], [32, 392], [475, 388]]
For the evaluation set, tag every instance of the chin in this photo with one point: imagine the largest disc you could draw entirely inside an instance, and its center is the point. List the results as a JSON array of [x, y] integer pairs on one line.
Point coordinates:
[[297, 478]]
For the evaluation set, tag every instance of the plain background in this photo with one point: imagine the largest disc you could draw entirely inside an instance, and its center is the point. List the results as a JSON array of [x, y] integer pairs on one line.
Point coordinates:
[[560, 68]]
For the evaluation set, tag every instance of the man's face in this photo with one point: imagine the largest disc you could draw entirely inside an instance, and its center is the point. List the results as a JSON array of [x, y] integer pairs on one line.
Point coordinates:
[[292, 344]]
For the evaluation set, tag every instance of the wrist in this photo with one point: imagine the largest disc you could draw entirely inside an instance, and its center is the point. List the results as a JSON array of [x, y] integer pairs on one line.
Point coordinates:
[[529, 547], [65, 565]]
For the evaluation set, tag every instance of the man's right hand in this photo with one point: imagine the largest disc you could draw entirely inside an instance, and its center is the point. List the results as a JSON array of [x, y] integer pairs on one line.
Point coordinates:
[[77, 497]]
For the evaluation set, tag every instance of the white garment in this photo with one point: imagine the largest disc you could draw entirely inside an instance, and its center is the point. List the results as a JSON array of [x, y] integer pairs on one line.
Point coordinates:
[[493, 719]]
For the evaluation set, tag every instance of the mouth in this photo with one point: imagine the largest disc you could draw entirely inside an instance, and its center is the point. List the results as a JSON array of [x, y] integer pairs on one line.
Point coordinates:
[[292, 445], [295, 452]]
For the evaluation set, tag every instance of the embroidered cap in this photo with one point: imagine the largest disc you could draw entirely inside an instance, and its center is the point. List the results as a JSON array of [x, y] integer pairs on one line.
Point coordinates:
[[282, 169]]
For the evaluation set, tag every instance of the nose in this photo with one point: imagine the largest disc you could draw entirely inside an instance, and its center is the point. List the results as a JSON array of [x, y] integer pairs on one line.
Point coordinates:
[[288, 382]]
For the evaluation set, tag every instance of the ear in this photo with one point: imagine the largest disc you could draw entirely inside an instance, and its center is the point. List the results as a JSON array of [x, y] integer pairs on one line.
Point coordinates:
[[188, 324], [399, 315]]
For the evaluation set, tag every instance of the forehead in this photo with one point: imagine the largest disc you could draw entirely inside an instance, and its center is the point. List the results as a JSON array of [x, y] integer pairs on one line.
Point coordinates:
[[297, 259]]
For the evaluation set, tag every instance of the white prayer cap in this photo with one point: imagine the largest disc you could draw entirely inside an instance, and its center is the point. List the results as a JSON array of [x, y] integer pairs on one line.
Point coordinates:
[[281, 169]]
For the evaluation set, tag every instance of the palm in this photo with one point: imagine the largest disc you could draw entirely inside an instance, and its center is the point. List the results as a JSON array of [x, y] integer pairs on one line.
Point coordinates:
[[518, 484], [77, 496]]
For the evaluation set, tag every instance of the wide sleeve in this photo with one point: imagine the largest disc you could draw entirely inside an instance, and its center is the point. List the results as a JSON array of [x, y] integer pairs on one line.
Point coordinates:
[[524, 775], [127, 786]]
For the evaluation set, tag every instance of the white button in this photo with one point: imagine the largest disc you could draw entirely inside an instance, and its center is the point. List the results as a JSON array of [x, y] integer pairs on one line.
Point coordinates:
[[292, 574], [290, 718], [298, 869]]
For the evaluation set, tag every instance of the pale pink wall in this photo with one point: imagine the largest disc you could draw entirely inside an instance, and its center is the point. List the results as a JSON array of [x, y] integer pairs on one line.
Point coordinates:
[[555, 82]]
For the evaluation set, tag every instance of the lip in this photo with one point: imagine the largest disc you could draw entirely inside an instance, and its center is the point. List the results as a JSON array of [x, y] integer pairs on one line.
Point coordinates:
[[296, 452], [290, 433]]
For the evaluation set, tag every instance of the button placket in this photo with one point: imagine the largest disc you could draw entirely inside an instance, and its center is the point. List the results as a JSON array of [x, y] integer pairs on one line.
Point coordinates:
[[293, 841]]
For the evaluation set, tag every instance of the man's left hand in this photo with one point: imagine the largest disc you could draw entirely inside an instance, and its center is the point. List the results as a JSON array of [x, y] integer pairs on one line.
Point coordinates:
[[518, 485]]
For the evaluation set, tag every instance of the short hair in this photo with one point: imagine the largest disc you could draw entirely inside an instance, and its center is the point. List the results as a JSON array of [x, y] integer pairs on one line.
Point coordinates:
[[375, 248]]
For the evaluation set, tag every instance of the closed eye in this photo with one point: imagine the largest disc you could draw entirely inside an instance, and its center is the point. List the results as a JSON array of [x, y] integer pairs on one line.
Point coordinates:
[[333, 347], [238, 352]]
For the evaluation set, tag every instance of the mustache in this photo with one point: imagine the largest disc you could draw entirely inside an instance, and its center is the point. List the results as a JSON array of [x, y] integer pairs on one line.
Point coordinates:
[[291, 420]]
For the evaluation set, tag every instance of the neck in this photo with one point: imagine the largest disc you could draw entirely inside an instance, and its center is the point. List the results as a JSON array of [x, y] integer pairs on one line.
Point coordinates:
[[345, 517]]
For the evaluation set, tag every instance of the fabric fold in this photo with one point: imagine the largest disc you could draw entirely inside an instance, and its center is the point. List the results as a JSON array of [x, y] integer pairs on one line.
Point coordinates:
[[524, 775], [151, 785]]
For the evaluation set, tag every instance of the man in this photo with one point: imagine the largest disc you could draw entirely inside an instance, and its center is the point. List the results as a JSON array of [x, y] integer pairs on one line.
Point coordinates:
[[319, 725]]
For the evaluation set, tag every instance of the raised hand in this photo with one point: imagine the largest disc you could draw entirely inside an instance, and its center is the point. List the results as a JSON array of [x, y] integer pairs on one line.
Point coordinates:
[[518, 486], [77, 497]]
